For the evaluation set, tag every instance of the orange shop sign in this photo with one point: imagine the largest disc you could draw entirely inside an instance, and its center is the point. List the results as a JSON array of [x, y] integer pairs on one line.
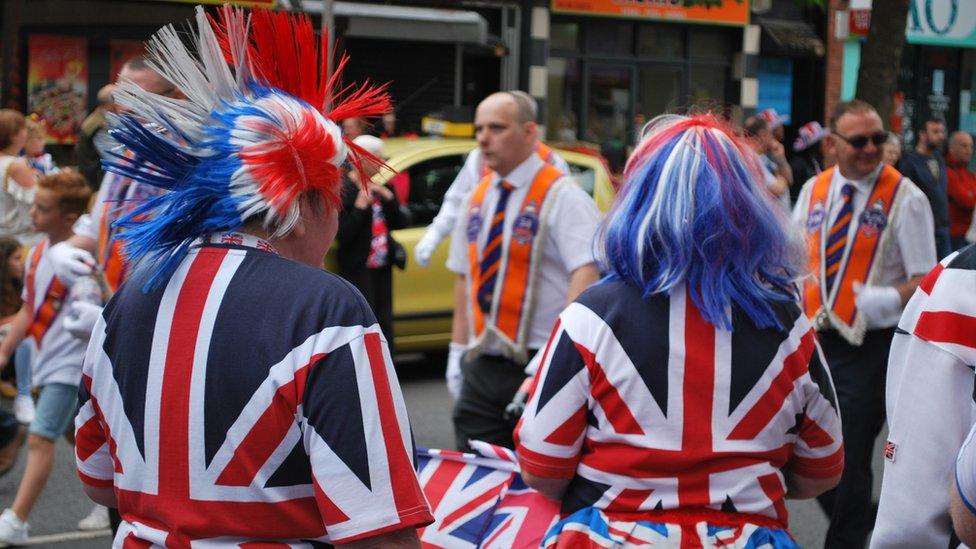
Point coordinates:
[[729, 12], [246, 3]]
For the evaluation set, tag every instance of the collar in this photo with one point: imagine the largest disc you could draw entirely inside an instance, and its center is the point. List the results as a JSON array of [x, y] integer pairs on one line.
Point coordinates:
[[524, 173], [861, 185], [234, 238]]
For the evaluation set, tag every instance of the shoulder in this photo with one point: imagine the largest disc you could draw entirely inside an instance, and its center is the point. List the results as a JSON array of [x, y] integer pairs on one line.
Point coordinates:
[[292, 282], [617, 300], [911, 194]]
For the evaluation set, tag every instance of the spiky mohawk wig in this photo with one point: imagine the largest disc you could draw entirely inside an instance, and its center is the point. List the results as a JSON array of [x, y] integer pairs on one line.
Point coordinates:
[[257, 130]]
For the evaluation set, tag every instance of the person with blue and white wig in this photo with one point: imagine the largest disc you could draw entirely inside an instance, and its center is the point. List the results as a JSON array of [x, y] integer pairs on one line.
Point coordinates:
[[682, 398]]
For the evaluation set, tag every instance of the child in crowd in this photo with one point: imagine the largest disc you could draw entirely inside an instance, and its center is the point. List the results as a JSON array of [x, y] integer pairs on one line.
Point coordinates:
[[59, 201], [11, 284], [39, 160]]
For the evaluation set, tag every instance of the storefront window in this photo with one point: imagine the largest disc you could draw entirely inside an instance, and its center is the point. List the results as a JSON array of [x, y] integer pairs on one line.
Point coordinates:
[[610, 37], [658, 91], [708, 44], [564, 36], [661, 41], [706, 86], [564, 99], [608, 109]]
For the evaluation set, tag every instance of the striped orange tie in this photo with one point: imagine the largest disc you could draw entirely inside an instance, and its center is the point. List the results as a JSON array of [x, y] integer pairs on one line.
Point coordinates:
[[492, 253], [837, 239]]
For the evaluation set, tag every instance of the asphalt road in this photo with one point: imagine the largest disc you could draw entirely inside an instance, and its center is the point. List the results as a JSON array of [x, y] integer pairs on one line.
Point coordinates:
[[54, 520]]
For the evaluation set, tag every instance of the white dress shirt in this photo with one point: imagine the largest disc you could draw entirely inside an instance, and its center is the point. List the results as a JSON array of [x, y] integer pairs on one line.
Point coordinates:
[[568, 245]]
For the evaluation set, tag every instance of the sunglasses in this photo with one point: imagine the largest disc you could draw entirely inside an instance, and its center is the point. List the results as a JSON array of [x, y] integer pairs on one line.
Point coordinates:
[[860, 141]]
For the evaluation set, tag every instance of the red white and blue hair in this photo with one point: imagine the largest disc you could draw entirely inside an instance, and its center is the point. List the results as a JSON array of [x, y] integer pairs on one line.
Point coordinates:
[[693, 210], [256, 132]]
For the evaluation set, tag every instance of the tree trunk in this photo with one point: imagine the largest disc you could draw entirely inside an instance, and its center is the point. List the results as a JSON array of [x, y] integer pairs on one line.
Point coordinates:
[[877, 78]]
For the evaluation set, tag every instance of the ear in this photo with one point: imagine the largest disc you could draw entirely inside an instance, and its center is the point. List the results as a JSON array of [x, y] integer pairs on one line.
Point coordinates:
[[532, 130]]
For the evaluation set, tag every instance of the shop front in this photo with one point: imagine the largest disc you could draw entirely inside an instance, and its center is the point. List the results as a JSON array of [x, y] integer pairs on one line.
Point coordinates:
[[611, 68]]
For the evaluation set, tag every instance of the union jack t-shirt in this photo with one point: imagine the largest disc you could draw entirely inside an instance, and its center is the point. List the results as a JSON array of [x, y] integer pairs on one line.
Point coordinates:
[[648, 407], [250, 399]]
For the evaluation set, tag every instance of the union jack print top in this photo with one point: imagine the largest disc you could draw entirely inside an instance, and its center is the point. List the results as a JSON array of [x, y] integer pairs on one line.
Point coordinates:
[[248, 399], [647, 406]]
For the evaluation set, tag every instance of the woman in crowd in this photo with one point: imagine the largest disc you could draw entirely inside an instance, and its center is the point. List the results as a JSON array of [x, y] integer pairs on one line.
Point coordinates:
[[16, 179], [682, 398]]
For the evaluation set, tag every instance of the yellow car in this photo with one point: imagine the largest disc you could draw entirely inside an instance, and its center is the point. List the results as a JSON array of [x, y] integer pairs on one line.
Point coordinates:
[[423, 298]]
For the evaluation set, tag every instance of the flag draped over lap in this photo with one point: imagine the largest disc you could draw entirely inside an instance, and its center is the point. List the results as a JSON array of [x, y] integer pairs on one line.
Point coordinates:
[[480, 500]]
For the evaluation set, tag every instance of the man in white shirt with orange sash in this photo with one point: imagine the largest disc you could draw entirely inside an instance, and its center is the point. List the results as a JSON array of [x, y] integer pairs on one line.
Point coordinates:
[[868, 249], [473, 171], [522, 249]]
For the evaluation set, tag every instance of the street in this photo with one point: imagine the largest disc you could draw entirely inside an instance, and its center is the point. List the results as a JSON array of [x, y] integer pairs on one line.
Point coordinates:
[[53, 521]]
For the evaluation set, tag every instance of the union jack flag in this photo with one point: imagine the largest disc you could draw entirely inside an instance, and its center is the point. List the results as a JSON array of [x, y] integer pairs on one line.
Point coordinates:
[[648, 407], [480, 500], [225, 408]]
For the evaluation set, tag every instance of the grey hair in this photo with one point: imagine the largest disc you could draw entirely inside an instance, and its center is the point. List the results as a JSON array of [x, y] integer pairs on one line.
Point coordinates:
[[526, 108]]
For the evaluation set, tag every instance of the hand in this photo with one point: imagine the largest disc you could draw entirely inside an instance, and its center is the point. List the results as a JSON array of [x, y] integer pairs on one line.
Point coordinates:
[[381, 191], [363, 200], [453, 375], [777, 150], [81, 319], [70, 262], [881, 305], [426, 247], [515, 408]]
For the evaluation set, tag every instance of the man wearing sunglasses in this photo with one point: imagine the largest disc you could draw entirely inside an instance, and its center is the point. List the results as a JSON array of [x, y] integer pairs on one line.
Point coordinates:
[[869, 235], [925, 166]]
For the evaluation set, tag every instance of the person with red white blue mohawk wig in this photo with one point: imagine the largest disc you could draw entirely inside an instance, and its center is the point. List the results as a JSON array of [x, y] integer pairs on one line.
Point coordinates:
[[682, 398], [256, 131], [233, 391]]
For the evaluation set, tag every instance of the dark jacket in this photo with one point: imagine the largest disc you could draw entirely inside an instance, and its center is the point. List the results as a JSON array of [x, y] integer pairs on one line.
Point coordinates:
[[913, 166], [356, 230]]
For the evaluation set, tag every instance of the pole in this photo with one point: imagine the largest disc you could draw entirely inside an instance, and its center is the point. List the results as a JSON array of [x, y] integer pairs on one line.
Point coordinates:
[[328, 30]]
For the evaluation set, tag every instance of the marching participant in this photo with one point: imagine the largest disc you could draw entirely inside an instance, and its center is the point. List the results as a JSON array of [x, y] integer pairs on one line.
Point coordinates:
[[868, 248], [522, 250], [475, 168], [256, 401], [683, 398], [930, 407]]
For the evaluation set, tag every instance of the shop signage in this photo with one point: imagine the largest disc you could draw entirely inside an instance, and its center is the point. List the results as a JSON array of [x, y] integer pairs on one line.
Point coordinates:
[[57, 83], [942, 22], [248, 3], [728, 12]]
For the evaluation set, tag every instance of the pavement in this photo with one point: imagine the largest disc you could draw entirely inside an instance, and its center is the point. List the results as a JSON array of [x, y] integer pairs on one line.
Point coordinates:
[[55, 517]]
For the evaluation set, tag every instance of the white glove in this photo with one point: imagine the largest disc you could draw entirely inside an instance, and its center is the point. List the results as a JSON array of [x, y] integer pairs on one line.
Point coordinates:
[[70, 262], [881, 305], [427, 246], [81, 319], [453, 375]]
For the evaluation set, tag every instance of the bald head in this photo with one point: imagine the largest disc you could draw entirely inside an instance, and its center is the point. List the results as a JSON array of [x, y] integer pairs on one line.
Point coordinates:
[[961, 146], [505, 130]]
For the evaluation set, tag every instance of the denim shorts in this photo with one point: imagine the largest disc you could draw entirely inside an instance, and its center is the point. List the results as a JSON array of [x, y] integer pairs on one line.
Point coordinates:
[[56, 407]]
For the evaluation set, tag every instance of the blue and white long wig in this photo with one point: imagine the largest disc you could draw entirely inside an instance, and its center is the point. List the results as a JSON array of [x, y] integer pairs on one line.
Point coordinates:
[[693, 210]]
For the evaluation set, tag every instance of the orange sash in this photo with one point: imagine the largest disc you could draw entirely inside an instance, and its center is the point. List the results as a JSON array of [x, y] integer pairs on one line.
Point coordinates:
[[862, 253], [43, 317], [512, 301]]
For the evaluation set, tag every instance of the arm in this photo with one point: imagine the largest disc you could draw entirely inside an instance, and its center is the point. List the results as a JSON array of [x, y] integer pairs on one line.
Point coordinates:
[[552, 488], [459, 322], [355, 213], [100, 495], [800, 487], [405, 538], [963, 520], [907, 289], [783, 168], [22, 174], [18, 329], [580, 279], [394, 214]]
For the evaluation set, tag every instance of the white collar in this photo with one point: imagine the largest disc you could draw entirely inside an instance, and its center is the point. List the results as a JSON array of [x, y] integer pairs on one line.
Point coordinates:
[[865, 184], [524, 173]]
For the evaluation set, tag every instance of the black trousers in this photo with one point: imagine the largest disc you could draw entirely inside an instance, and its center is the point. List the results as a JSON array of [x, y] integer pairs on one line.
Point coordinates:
[[490, 382], [376, 285], [859, 375]]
